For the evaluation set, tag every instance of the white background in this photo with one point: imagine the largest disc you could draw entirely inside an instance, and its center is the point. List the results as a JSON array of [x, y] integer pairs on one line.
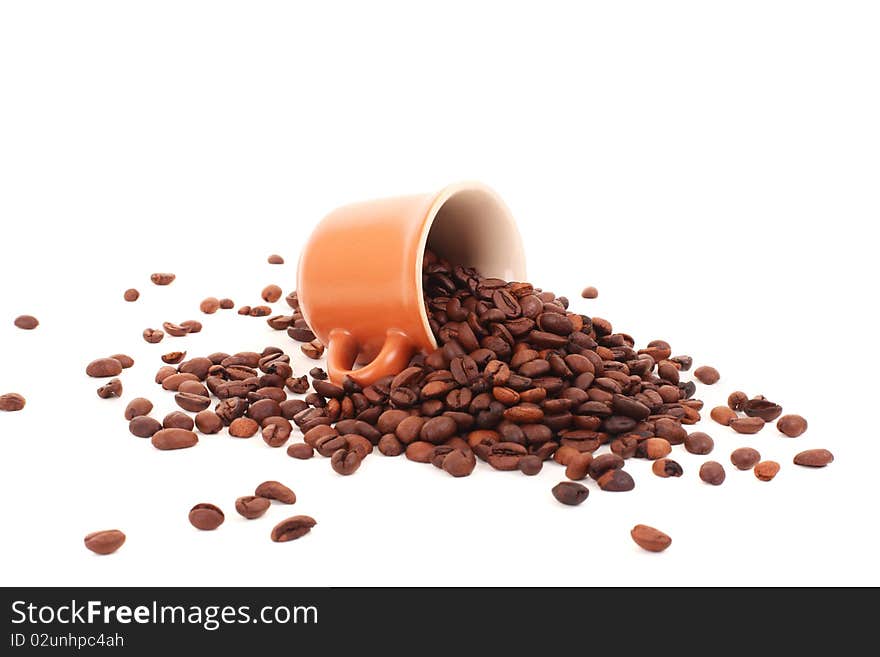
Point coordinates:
[[711, 167]]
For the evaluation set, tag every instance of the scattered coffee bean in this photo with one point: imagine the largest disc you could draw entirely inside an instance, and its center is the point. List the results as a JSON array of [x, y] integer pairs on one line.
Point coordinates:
[[271, 293], [736, 400], [653, 448], [792, 425], [650, 539], [345, 461], [318, 373], [305, 451], [244, 310], [106, 541], [192, 402], [226, 304], [570, 493], [747, 425], [162, 279], [11, 401], [26, 322], [178, 420], [712, 472], [260, 311], [174, 330], [206, 517], [137, 407], [723, 415], [313, 349], [684, 362], [276, 432], [766, 470], [762, 408], [243, 427], [208, 422], [173, 438], [131, 294], [113, 388], [153, 336], [578, 466], [252, 506], [173, 357], [143, 426], [292, 528], [192, 326], [666, 468], [707, 375], [104, 367], [699, 443], [744, 458], [124, 360], [530, 465], [616, 481], [275, 259], [814, 458], [274, 490], [210, 305], [589, 292]]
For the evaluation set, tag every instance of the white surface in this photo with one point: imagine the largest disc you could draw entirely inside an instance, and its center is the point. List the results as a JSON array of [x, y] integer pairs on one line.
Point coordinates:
[[713, 171]]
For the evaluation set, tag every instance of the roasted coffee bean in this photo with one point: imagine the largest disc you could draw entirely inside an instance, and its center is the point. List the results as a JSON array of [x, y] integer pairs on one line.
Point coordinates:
[[570, 493], [260, 311], [193, 388], [192, 326], [174, 330], [26, 322], [226, 304], [723, 415], [390, 445], [173, 438], [744, 458], [616, 481], [173, 357], [153, 336], [230, 409], [11, 401], [327, 389], [192, 402], [736, 400], [706, 375], [459, 462], [244, 310], [505, 455], [604, 463], [684, 362], [712, 472], [208, 422], [666, 468], [276, 434], [297, 385], [271, 293], [649, 538], [138, 406], [578, 465], [747, 425], [104, 367], [206, 517], [792, 425], [125, 360], [252, 506], [313, 349], [131, 294], [699, 443], [762, 408], [173, 381], [106, 541], [345, 461], [112, 388], [766, 470], [243, 427], [589, 292], [438, 429], [280, 322], [318, 373], [162, 278], [302, 451], [292, 528], [210, 305], [275, 490], [420, 451], [814, 458], [671, 430], [530, 465], [275, 259], [178, 420], [654, 448], [143, 426]]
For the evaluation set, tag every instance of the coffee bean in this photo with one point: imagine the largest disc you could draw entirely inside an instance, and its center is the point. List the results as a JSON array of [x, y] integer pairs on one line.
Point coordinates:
[[175, 330], [650, 539], [243, 427], [792, 425], [699, 443], [11, 401], [208, 422], [244, 310], [106, 541], [570, 493], [438, 429], [26, 322], [762, 408], [420, 451], [616, 481], [292, 528], [300, 451], [313, 349], [166, 439], [226, 304], [104, 367], [206, 517], [506, 455], [252, 506], [723, 415], [193, 388], [578, 465], [747, 425], [327, 389], [766, 470], [604, 463], [138, 406], [684, 362], [113, 388], [744, 458], [707, 375], [178, 420], [153, 336], [712, 472], [654, 448], [275, 259], [736, 400], [589, 292], [209, 305], [814, 458], [530, 465], [162, 279], [274, 490], [271, 293], [143, 426], [192, 402], [459, 462], [666, 468], [389, 445], [131, 294], [276, 431]]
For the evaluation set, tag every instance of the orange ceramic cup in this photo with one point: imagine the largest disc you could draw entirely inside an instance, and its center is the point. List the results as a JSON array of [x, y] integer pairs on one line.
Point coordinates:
[[360, 274]]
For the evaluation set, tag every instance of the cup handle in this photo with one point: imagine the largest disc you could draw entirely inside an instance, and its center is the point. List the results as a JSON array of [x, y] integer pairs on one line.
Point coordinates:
[[343, 350]]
